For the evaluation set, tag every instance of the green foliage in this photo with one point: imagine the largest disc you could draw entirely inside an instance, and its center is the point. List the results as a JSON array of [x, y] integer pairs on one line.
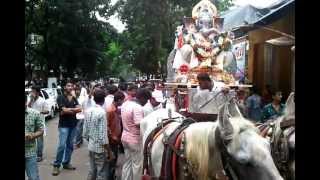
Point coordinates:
[[223, 5], [72, 35]]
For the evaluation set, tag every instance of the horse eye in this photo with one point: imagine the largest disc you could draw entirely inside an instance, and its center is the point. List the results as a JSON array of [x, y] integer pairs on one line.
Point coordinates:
[[249, 164]]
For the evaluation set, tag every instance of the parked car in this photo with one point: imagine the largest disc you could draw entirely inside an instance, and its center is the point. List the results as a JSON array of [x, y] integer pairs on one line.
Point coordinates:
[[50, 101], [57, 92], [52, 97]]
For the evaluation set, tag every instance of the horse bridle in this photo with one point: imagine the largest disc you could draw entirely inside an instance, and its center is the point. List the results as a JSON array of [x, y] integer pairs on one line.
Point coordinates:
[[226, 158]]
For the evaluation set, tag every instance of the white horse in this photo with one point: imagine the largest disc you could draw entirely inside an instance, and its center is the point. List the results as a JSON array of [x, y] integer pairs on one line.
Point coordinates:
[[283, 139], [250, 153]]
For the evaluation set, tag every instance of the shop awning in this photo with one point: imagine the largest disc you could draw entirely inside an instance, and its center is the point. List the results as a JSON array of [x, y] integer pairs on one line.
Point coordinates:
[[281, 41]]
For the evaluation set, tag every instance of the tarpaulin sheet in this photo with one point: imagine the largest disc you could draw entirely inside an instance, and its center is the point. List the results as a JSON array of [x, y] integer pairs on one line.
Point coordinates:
[[251, 15]]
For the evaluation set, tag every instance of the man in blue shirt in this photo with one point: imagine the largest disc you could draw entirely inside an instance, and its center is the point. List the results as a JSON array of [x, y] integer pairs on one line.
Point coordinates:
[[254, 106]]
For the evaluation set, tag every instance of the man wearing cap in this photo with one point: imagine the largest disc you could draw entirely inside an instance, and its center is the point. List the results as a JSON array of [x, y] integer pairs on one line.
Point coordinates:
[[154, 103]]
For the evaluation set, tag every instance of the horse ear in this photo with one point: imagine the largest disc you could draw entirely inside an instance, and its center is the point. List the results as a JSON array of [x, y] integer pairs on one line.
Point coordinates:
[[224, 123], [290, 105], [234, 109]]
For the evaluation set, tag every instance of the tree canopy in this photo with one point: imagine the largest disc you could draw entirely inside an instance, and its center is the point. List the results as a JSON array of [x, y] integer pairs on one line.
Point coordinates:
[[72, 36]]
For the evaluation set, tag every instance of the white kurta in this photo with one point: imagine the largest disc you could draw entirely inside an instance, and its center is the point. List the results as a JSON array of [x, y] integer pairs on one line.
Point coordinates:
[[148, 108]]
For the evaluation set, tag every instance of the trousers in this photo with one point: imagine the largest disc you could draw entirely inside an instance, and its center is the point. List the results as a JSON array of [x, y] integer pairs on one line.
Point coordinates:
[[132, 168], [32, 168], [65, 147], [98, 166]]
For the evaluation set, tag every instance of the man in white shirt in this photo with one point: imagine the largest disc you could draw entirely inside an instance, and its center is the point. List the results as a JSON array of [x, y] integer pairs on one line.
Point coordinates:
[[38, 103], [80, 118], [85, 103], [109, 98], [209, 96], [154, 103], [83, 93]]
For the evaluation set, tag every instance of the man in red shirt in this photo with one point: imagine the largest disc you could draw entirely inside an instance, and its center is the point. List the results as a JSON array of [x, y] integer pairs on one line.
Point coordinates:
[[114, 130]]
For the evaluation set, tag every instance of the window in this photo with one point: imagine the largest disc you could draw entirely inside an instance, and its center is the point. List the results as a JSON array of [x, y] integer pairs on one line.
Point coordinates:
[[59, 92], [45, 94]]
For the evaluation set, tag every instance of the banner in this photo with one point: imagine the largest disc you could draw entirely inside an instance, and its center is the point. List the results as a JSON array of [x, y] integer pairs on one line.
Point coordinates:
[[239, 50]]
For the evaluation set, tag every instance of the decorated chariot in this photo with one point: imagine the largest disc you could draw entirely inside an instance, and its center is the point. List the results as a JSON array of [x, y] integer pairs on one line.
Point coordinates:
[[200, 46]]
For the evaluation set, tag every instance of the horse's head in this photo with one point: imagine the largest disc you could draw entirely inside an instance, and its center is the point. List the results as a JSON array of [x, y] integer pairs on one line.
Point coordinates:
[[250, 153]]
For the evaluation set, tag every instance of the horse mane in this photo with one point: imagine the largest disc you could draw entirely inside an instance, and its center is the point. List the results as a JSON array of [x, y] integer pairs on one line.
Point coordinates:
[[200, 144], [197, 147]]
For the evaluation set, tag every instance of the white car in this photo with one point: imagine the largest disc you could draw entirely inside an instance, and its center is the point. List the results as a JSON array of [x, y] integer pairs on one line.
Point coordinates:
[[50, 101], [52, 96]]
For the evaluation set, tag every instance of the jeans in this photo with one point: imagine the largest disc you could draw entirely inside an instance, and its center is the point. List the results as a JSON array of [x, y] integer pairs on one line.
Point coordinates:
[[32, 168], [40, 146], [78, 136], [113, 163], [65, 147], [98, 166]]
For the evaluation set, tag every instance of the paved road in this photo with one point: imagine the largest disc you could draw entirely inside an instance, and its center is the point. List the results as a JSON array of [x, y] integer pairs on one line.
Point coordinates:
[[80, 157]]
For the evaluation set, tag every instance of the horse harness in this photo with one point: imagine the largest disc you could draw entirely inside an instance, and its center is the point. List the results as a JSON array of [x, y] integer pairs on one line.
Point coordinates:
[[280, 144], [147, 163], [174, 150], [171, 150]]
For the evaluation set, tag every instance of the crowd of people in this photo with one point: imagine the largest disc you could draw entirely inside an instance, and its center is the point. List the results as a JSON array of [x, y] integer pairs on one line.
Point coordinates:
[[108, 118], [105, 115], [261, 107]]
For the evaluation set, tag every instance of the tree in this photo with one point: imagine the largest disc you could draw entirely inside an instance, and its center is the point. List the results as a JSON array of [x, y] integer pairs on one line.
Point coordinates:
[[72, 35]]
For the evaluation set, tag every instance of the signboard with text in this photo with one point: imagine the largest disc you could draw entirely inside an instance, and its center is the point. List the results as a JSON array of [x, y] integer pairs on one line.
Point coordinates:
[[239, 51]]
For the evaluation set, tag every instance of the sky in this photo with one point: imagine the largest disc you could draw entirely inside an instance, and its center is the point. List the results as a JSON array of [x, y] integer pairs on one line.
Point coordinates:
[[116, 23]]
